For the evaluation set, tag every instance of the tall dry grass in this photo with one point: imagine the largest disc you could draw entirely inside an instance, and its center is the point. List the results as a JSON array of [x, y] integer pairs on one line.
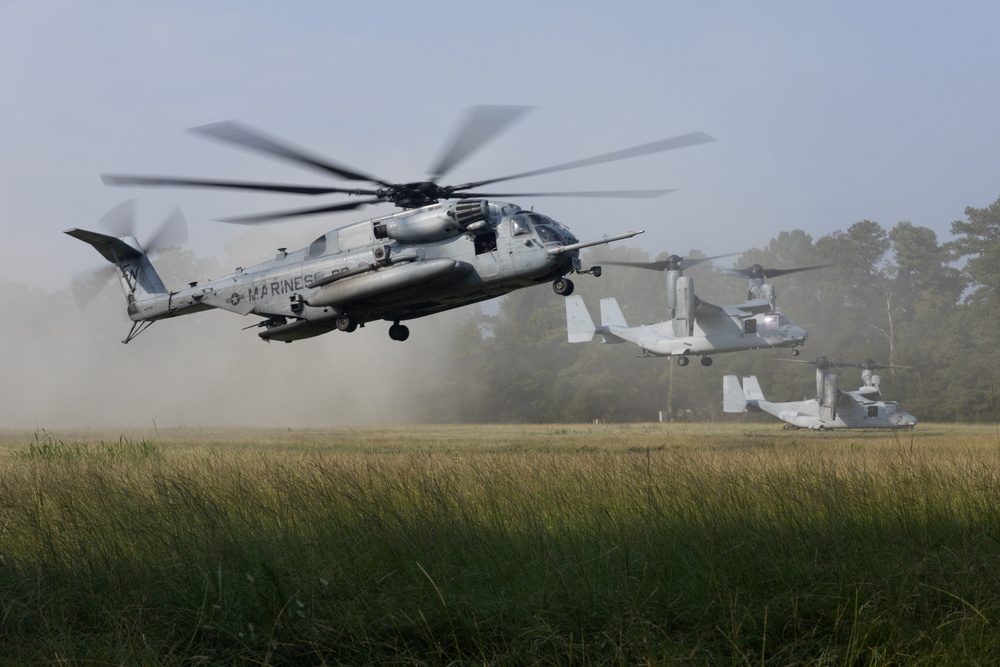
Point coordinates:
[[503, 545]]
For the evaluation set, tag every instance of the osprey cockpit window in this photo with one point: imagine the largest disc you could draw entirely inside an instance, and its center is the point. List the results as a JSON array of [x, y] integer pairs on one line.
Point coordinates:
[[775, 321]]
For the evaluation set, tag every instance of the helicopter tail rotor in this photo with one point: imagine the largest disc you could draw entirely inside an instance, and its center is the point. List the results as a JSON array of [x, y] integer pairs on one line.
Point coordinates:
[[121, 246]]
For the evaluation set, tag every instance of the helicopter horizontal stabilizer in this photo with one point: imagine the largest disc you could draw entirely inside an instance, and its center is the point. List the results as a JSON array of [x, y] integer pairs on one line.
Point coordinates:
[[579, 325], [111, 248], [138, 277]]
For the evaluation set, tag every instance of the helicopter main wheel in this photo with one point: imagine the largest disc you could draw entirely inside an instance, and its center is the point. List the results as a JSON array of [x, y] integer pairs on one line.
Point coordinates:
[[399, 332], [346, 323], [706, 361], [683, 361], [562, 286], [795, 351]]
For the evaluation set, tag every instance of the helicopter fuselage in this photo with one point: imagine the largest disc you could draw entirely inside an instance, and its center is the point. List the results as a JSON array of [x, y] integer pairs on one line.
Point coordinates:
[[397, 267], [831, 408]]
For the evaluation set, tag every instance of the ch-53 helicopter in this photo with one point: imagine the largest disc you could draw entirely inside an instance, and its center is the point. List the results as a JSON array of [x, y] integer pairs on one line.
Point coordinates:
[[430, 257], [695, 327], [831, 408]]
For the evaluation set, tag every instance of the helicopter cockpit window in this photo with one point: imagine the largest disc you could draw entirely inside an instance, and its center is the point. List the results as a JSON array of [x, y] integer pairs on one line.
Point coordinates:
[[519, 225], [873, 411], [891, 408], [775, 320], [546, 228], [547, 234]]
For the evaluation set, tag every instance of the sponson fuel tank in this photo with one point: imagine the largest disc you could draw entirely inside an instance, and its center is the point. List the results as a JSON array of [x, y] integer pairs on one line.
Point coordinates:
[[379, 282]]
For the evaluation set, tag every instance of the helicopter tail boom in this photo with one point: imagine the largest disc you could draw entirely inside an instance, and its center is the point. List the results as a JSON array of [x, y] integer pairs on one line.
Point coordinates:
[[147, 296]]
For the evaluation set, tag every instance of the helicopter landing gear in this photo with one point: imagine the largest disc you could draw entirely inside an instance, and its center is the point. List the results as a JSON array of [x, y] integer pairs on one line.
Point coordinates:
[[706, 361], [399, 331], [346, 323], [795, 351], [683, 361], [562, 286]]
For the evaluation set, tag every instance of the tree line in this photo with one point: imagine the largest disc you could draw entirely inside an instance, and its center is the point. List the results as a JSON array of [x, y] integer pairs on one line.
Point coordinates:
[[900, 296]]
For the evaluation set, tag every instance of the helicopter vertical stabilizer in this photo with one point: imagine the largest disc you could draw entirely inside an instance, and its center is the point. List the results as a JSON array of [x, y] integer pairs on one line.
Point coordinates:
[[138, 278], [751, 389], [611, 313], [579, 325], [147, 297], [733, 399]]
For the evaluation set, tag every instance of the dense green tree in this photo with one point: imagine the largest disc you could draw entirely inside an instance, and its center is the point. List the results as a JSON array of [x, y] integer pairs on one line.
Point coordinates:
[[978, 241]]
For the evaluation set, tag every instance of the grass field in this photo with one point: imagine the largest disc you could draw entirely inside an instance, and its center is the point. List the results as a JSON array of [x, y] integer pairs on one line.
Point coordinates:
[[501, 545]]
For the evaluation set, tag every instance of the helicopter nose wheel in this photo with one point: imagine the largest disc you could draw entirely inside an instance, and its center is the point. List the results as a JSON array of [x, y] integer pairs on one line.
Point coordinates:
[[795, 351], [346, 323], [683, 361], [399, 331], [562, 286], [706, 361]]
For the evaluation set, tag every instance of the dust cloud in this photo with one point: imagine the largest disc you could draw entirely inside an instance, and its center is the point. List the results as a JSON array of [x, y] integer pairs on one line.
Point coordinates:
[[63, 367]]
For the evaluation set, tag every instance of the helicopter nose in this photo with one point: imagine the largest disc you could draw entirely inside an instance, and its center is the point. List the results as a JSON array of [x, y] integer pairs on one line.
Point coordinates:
[[796, 333]]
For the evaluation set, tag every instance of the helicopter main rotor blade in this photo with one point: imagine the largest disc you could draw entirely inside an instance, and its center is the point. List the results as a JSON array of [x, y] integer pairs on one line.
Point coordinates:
[[234, 133], [673, 261], [682, 141], [281, 215], [871, 365], [757, 271], [169, 181], [481, 124], [623, 194]]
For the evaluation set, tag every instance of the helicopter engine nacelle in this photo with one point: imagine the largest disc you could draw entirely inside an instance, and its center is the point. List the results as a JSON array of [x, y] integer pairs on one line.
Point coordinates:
[[828, 399], [436, 224], [684, 310]]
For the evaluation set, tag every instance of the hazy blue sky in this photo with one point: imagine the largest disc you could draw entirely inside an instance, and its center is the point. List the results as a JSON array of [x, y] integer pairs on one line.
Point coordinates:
[[824, 115]]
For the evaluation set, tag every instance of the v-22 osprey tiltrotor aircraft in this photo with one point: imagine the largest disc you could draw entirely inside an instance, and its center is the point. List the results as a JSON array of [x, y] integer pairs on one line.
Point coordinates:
[[696, 327], [831, 408], [431, 257]]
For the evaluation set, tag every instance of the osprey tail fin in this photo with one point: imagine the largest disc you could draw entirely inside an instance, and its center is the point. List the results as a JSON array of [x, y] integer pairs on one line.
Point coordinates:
[[733, 399], [751, 389], [579, 325]]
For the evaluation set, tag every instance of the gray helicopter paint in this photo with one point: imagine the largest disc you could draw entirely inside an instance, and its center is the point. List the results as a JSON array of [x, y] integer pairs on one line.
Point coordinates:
[[428, 258], [361, 271], [696, 327], [830, 409]]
